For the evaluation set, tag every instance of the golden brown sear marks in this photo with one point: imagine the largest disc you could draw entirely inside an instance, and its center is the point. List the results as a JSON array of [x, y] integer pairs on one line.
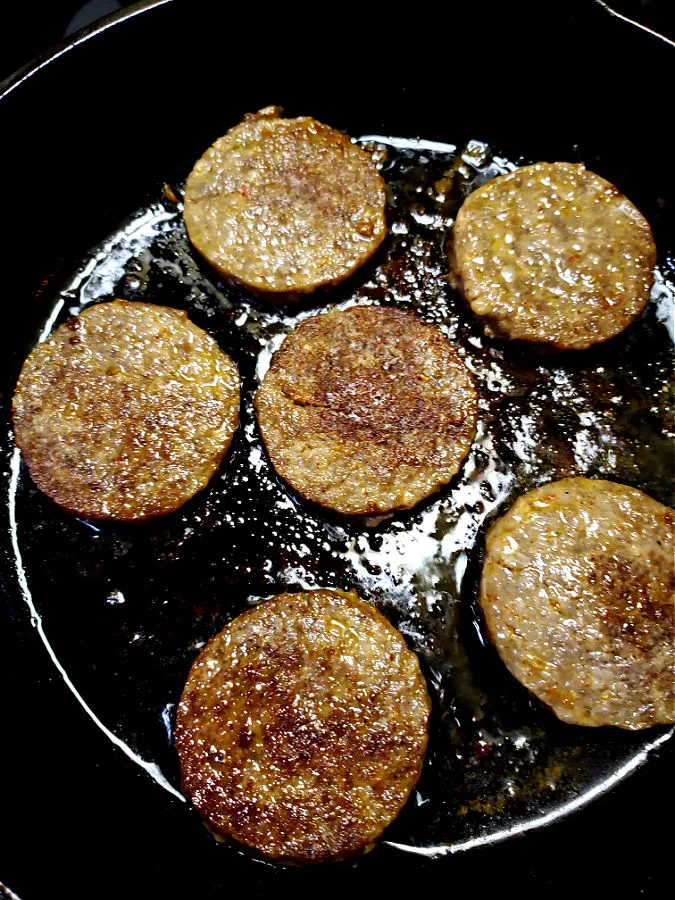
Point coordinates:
[[553, 254], [367, 410], [303, 726], [578, 592], [126, 411], [285, 206]]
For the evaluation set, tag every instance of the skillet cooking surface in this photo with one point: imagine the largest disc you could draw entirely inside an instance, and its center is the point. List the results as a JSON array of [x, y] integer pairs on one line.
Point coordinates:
[[124, 609], [142, 599]]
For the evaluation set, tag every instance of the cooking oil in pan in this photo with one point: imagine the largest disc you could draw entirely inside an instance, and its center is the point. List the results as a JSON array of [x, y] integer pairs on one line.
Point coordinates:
[[142, 599]]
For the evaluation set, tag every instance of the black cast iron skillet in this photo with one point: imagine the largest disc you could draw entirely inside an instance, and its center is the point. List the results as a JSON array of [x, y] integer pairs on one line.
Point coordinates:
[[90, 135]]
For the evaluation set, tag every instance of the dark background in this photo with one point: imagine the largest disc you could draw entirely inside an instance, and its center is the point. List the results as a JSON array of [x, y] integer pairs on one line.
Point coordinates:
[[28, 27]]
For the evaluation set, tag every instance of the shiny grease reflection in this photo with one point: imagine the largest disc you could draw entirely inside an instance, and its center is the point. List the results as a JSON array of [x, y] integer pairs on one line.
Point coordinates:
[[143, 599]]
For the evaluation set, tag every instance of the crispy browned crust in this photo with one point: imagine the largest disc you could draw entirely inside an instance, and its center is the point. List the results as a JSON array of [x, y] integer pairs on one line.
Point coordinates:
[[553, 254], [367, 410], [126, 411], [578, 591], [303, 726], [285, 206]]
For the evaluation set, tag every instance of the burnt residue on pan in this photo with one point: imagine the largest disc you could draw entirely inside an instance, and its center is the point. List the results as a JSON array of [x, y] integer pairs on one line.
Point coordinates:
[[125, 608]]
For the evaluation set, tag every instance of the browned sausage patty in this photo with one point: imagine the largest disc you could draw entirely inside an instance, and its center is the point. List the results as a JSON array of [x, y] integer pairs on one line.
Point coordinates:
[[126, 411], [553, 254], [302, 727], [367, 410], [285, 206], [578, 595]]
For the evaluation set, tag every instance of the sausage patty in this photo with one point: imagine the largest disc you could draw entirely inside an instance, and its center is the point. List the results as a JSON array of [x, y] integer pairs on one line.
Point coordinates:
[[367, 410], [302, 727], [553, 254], [285, 206], [578, 595], [126, 411]]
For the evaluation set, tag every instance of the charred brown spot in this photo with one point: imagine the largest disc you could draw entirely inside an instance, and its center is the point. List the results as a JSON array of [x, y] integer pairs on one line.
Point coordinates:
[[246, 738], [317, 769], [321, 197], [379, 396], [578, 594], [632, 614], [120, 431]]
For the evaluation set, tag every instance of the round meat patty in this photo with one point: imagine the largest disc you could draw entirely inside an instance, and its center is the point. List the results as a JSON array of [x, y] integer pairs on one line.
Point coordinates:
[[553, 254], [285, 206], [126, 411], [578, 595], [303, 726], [367, 410]]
